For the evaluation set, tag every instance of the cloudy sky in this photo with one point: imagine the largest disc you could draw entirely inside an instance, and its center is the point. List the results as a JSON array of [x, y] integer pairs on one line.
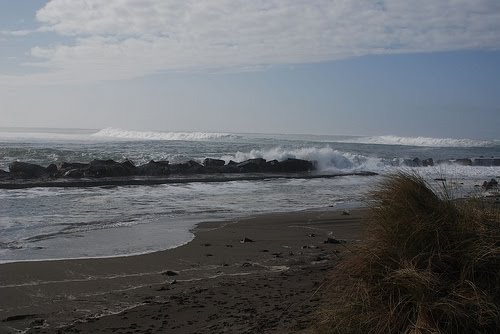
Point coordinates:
[[374, 67]]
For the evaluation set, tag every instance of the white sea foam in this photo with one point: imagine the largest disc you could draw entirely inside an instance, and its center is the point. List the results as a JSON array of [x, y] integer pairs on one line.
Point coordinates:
[[419, 141], [327, 159], [151, 135]]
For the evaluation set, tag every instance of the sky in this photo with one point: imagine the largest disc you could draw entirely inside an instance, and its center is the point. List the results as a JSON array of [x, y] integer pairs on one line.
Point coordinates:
[[348, 67]]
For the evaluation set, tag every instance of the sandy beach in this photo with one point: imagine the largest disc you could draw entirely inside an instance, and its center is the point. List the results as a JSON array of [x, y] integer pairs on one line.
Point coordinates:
[[263, 274]]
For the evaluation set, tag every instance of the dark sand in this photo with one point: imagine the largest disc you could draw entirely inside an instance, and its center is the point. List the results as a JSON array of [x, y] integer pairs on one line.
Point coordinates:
[[219, 284]]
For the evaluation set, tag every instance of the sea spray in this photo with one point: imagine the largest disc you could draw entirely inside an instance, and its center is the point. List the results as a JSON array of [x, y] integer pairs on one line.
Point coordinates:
[[326, 158]]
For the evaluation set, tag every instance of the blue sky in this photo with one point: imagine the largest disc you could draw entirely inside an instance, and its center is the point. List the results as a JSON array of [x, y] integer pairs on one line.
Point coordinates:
[[357, 67]]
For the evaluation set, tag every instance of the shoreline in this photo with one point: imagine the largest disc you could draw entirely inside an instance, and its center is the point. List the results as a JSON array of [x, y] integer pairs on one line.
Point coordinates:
[[287, 252]]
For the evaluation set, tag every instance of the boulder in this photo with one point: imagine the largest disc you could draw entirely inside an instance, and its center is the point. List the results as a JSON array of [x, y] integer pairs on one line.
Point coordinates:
[[273, 166], [252, 165], [296, 165], [190, 167], [209, 162], [73, 173], [109, 168], [154, 168], [129, 165], [4, 174], [230, 168], [73, 170], [27, 170], [51, 169]]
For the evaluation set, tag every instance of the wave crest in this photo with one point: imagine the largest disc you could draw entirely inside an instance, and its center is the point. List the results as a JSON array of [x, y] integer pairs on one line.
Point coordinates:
[[422, 141], [152, 135]]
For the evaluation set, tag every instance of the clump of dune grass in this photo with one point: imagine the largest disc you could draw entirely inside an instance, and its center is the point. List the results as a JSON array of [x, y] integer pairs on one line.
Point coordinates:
[[430, 264]]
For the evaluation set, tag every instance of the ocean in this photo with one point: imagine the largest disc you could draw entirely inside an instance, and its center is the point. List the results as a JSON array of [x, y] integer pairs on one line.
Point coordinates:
[[64, 223]]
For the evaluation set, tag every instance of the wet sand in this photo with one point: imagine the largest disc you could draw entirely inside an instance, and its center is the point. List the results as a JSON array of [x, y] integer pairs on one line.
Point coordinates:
[[272, 283]]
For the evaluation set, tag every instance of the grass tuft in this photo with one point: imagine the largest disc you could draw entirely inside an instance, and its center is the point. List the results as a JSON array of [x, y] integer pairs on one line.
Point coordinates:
[[430, 264]]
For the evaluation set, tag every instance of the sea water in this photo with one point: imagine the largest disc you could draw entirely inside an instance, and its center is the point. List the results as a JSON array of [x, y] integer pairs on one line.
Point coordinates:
[[59, 223]]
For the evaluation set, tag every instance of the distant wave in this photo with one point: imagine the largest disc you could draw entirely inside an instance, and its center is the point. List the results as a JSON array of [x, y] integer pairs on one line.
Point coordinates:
[[327, 158], [151, 135], [420, 141]]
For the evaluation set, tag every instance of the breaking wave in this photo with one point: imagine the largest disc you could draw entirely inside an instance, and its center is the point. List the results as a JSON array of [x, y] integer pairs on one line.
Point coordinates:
[[421, 141], [151, 135], [327, 159]]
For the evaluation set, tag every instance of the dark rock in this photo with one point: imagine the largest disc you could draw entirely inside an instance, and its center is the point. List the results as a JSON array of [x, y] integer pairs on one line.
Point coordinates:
[[154, 168], [108, 168], [273, 166], [73, 165], [296, 165], [208, 162], [346, 213], [170, 273], [190, 167], [244, 240], [4, 174], [428, 162], [252, 165], [230, 169], [27, 170], [51, 169], [492, 184], [463, 162], [73, 173], [129, 165], [232, 163], [212, 169]]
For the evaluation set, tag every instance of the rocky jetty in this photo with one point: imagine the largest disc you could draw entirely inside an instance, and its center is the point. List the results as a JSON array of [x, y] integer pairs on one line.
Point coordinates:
[[111, 168]]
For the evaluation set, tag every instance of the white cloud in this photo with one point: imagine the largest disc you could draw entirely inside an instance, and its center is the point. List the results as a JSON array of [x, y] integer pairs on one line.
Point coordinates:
[[16, 33], [120, 39]]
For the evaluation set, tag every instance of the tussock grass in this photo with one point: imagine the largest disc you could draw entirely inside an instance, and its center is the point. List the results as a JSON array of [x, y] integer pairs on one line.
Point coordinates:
[[429, 265]]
